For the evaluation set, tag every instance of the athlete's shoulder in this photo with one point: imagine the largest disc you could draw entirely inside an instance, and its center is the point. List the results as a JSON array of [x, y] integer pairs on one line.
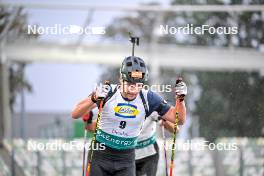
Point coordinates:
[[157, 103], [150, 94], [153, 96]]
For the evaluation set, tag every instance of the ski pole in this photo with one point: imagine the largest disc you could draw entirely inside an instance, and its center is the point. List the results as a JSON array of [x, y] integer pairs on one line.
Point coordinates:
[[174, 141], [133, 40], [174, 134], [90, 156], [84, 149], [165, 153]]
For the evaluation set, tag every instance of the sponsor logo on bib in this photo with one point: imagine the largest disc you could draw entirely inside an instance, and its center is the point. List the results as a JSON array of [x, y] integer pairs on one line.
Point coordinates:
[[126, 110]]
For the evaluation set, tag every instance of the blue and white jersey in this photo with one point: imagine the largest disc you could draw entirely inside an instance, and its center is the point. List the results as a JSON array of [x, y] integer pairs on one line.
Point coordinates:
[[122, 120]]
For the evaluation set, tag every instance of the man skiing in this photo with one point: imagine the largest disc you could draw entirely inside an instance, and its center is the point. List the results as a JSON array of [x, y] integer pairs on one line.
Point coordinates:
[[125, 108]]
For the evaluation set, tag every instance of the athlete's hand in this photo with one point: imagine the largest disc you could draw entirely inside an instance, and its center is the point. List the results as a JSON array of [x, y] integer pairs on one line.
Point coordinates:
[[180, 89], [100, 92], [169, 126]]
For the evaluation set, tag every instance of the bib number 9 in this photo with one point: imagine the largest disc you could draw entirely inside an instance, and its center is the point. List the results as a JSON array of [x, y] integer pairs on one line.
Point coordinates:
[[122, 124]]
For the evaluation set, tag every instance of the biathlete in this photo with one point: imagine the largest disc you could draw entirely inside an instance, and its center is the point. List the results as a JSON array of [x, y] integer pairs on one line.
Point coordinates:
[[147, 149], [124, 111]]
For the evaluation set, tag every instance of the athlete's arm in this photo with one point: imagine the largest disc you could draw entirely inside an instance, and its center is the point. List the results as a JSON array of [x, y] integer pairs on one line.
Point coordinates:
[[179, 111], [169, 126], [88, 104], [83, 107], [171, 113], [166, 111]]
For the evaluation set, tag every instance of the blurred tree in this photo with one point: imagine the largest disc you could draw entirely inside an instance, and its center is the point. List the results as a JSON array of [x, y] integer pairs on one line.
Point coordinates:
[[110, 74], [250, 25], [121, 26], [230, 102], [13, 27]]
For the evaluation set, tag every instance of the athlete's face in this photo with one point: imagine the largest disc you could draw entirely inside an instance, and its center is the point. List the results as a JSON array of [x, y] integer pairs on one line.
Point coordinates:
[[131, 90]]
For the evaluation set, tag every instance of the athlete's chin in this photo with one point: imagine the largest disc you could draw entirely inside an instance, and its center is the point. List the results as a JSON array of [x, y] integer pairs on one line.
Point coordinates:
[[131, 96]]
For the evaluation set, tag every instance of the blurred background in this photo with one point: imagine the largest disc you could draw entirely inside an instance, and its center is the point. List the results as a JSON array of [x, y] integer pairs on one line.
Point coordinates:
[[44, 74]]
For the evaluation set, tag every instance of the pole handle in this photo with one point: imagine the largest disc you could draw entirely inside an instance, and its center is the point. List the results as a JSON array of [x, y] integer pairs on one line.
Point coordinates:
[[134, 41]]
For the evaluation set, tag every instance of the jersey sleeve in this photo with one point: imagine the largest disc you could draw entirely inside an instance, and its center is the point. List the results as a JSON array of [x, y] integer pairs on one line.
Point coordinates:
[[157, 103]]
